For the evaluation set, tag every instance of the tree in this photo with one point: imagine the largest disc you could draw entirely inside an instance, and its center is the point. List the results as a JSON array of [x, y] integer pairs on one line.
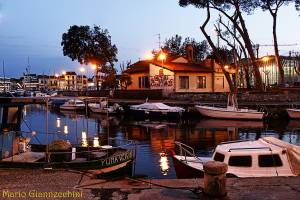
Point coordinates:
[[125, 79], [297, 4], [90, 45], [176, 47], [273, 7], [232, 10], [109, 80], [233, 40]]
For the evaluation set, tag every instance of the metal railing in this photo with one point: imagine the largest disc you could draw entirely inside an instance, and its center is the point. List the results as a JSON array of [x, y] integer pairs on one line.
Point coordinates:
[[186, 151]]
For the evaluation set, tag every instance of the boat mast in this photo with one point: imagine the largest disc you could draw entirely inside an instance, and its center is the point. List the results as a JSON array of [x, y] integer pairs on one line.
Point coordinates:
[[4, 88], [46, 124]]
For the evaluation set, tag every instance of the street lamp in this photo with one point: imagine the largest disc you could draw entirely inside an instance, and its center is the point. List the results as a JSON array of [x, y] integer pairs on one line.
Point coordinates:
[[162, 56], [82, 70], [266, 71]]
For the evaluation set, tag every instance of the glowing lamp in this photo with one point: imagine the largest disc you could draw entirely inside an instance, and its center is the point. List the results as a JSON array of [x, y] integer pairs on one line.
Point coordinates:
[[66, 131], [162, 56], [265, 59], [58, 123], [96, 142]]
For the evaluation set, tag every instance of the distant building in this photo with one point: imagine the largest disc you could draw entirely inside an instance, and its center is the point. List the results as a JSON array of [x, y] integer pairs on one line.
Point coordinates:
[[30, 82], [5, 84], [82, 82], [53, 82], [91, 84], [43, 81], [70, 81], [270, 73]]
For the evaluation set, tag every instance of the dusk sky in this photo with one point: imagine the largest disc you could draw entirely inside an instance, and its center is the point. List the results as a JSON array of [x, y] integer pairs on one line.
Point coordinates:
[[33, 28]]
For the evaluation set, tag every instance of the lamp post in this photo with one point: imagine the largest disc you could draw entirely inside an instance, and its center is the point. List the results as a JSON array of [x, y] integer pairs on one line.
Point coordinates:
[[95, 68], [82, 70], [266, 71]]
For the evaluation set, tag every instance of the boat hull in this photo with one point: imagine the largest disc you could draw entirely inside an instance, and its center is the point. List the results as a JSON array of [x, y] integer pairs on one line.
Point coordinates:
[[185, 171], [62, 107], [293, 113], [100, 166], [155, 114], [223, 113], [101, 110]]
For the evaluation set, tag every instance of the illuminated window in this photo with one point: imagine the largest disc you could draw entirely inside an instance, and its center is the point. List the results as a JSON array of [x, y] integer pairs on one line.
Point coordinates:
[[201, 82]]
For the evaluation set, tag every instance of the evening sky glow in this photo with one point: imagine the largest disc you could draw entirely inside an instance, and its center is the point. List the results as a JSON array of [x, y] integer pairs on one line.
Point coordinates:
[[34, 28]]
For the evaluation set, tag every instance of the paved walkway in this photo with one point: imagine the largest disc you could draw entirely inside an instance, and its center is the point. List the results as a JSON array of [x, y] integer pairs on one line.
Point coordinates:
[[37, 184]]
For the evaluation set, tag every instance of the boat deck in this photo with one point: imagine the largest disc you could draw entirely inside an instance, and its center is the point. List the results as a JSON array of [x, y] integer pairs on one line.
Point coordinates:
[[27, 156]]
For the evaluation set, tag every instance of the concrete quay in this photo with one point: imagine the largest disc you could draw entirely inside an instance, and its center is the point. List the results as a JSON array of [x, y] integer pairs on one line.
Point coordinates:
[[58, 184]]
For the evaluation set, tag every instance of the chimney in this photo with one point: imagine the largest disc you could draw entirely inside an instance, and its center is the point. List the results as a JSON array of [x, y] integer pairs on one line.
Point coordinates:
[[190, 53]]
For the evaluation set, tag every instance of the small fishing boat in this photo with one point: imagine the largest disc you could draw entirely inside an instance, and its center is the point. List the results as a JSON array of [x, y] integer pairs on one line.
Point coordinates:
[[265, 157], [73, 104], [231, 111], [109, 157], [157, 110], [103, 108], [293, 113]]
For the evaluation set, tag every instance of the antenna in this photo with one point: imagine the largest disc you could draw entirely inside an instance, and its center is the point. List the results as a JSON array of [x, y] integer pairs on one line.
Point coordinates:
[[159, 41], [4, 88]]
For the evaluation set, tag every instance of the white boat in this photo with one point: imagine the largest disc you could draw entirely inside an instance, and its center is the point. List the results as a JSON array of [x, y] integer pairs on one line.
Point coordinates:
[[98, 108], [103, 108], [230, 112], [157, 109], [293, 113], [265, 157], [73, 104]]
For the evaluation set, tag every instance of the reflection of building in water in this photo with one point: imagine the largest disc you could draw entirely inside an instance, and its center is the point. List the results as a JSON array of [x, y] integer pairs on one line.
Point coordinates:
[[206, 137], [164, 138]]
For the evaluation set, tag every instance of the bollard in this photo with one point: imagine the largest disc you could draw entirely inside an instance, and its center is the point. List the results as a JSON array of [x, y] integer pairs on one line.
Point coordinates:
[[215, 179]]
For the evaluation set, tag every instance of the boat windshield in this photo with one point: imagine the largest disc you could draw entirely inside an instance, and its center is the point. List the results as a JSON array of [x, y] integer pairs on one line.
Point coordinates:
[[219, 157]]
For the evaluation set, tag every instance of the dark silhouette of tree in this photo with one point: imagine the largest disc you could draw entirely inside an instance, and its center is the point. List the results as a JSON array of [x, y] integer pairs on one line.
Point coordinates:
[[125, 79], [232, 10], [175, 46], [297, 4], [90, 45], [233, 40]]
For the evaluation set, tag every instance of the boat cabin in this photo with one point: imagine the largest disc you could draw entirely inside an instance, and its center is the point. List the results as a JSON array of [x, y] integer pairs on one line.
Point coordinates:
[[254, 158]]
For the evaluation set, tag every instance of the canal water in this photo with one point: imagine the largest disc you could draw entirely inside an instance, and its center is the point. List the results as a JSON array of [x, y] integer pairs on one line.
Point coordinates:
[[153, 138]]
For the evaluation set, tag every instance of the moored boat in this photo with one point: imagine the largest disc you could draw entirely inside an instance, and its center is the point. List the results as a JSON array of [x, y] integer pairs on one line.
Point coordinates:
[[293, 113], [103, 108], [157, 110], [265, 157], [101, 159], [73, 104], [231, 111]]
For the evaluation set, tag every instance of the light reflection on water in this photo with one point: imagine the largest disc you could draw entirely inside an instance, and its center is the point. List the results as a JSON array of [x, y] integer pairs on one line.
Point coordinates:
[[153, 138]]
